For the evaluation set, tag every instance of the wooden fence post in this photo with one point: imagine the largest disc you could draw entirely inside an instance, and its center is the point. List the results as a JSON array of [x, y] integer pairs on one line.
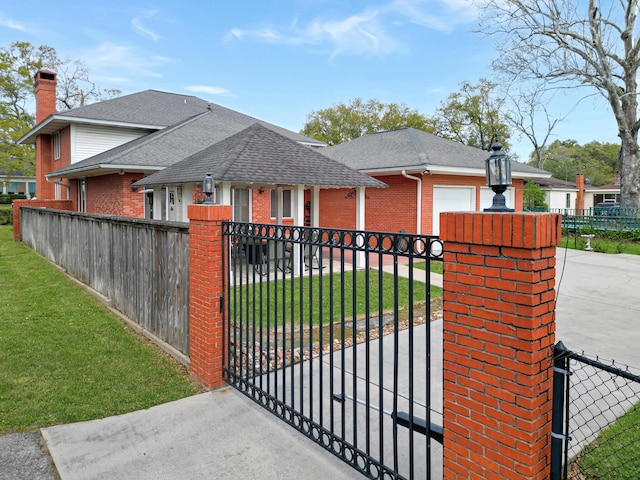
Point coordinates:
[[499, 333]]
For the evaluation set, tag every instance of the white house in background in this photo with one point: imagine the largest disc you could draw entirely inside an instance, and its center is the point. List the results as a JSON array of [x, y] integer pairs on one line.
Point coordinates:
[[605, 193], [559, 194], [17, 183]]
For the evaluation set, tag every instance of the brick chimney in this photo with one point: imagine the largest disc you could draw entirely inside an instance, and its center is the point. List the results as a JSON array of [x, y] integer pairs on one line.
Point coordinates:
[[616, 180], [580, 197], [45, 90]]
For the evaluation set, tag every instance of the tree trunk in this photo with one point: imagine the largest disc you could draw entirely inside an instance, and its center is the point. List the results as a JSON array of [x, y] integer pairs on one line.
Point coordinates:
[[630, 177]]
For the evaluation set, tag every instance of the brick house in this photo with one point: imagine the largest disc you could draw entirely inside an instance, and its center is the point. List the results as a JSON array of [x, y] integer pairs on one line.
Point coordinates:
[[426, 175], [92, 155]]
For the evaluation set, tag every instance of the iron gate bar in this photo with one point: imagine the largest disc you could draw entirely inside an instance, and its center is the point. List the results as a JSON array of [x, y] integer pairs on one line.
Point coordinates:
[[288, 379], [402, 418]]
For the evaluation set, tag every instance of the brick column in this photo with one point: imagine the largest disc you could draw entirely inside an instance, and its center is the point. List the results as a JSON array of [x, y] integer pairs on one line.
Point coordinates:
[[206, 343], [54, 204], [499, 332]]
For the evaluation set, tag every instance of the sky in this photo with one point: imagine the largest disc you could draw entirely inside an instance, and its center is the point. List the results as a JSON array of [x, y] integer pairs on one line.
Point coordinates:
[[279, 60]]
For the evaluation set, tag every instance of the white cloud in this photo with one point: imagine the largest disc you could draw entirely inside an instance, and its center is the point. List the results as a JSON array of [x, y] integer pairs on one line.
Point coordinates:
[[209, 90], [361, 33], [8, 23], [442, 15], [125, 59], [367, 32], [139, 28]]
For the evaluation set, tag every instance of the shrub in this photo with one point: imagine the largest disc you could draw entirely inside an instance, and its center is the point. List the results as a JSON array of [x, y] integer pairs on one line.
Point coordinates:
[[6, 216], [8, 199]]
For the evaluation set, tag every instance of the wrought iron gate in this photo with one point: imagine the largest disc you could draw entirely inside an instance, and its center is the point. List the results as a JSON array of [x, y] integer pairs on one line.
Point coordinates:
[[325, 332], [596, 418]]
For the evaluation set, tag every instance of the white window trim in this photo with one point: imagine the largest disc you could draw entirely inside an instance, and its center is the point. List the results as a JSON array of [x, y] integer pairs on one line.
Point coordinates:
[[284, 207], [56, 146]]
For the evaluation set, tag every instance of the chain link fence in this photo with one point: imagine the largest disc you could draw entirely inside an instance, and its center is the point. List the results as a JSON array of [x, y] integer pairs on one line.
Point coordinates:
[[598, 431]]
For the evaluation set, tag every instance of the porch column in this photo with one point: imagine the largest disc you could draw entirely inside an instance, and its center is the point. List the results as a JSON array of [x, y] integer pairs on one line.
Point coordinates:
[[360, 219], [499, 333], [206, 289], [298, 220], [315, 206], [224, 192]]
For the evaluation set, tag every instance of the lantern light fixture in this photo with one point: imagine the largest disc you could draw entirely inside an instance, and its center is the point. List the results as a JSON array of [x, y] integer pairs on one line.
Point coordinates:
[[207, 188], [498, 167]]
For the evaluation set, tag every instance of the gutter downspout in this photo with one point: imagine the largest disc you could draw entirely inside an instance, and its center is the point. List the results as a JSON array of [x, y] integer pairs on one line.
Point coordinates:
[[419, 200], [59, 182]]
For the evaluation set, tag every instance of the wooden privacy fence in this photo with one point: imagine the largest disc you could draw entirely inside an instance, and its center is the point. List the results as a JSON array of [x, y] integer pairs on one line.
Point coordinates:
[[141, 266]]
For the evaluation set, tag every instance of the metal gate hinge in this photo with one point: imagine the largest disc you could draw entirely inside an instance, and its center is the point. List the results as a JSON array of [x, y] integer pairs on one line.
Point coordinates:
[[562, 371]]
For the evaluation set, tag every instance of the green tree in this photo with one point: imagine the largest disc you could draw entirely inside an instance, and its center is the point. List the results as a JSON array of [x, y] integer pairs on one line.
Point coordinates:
[[534, 196], [593, 44], [341, 122], [18, 64], [472, 116], [565, 158]]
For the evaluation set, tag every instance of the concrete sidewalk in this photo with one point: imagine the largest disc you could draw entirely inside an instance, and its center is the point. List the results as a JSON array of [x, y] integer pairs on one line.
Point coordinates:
[[220, 434]]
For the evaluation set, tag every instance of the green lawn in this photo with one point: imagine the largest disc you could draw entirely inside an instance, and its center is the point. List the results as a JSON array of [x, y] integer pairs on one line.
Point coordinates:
[[435, 266], [265, 300], [614, 454], [66, 358], [602, 245]]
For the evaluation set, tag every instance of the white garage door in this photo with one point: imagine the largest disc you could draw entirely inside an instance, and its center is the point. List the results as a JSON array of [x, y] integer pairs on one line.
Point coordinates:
[[451, 199], [486, 197]]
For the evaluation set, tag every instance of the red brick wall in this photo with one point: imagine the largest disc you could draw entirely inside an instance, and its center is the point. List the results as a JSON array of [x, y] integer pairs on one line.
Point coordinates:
[[261, 206], [394, 208], [499, 332], [112, 195], [44, 165]]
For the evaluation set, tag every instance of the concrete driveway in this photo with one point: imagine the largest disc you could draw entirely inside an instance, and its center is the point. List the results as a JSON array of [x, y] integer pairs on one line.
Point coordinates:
[[598, 304], [222, 434]]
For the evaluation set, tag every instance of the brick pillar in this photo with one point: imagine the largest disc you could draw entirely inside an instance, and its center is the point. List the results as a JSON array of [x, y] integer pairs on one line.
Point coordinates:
[[580, 194], [206, 343], [37, 203], [499, 332]]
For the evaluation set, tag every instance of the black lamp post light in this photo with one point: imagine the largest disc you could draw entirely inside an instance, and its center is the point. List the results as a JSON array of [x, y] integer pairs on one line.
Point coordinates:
[[498, 177], [207, 188]]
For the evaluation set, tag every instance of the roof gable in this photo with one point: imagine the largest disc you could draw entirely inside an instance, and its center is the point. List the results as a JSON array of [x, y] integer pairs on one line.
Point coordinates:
[[261, 156]]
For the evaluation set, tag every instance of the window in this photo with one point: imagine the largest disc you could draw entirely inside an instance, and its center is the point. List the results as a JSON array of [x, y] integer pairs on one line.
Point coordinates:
[[56, 145], [568, 201], [241, 204], [286, 203]]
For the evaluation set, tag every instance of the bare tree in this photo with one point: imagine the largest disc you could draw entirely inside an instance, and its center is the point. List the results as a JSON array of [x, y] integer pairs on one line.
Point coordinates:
[[75, 88], [529, 116], [572, 43]]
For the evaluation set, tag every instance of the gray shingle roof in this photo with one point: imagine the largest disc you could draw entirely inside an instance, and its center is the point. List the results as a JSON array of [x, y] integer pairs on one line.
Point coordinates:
[[553, 183], [261, 156], [172, 144], [150, 109], [410, 148]]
